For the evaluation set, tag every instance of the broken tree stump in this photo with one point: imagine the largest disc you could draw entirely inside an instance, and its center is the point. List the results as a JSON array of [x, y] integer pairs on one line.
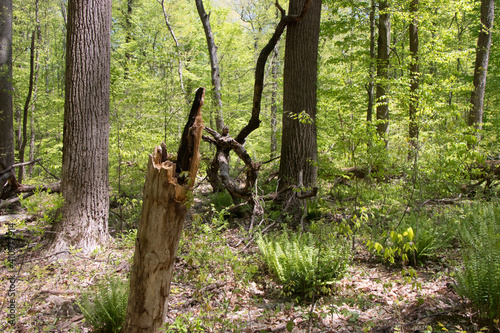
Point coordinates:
[[164, 209]]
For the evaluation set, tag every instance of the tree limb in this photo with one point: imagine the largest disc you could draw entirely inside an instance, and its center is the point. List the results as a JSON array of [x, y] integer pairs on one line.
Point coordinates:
[[285, 20]]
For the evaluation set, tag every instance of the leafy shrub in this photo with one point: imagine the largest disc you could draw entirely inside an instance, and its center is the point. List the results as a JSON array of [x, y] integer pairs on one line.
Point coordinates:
[[417, 237], [44, 205], [127, 238], [105, 307], [221, 200], [479, 280], [304, 263]]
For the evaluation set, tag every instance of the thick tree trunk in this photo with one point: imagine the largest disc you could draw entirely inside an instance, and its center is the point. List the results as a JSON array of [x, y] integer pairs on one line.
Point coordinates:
[[84, 180], [481, 66], [162, 218], [214, 65], [299, 146], [414, 78], [6, 112], [384, 37]]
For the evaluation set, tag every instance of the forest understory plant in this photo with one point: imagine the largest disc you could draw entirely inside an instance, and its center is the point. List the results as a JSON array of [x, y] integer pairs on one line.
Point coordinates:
[[479, 279], [305, 264], [104, 308]]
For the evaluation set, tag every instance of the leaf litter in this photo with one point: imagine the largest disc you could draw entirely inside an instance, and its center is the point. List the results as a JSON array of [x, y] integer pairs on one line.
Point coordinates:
[[372, 297]]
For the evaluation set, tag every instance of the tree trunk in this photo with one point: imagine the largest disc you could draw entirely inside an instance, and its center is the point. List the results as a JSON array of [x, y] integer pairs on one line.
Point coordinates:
[[84, 180], [373, 62], [414, 78], [299, 147], [214, 65], [163, 211], [24, 137], [128, 38], [35, 92], [274, 102], [6, 112], [178, 50], [226, 143], [481, 66], [384, 37]]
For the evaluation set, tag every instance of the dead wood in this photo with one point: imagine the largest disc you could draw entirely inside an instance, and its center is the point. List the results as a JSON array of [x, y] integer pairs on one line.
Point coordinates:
[[285, 20], [9, 193], [28, 191], [359, 172], [218, 171], [165, 197], [486, 173]]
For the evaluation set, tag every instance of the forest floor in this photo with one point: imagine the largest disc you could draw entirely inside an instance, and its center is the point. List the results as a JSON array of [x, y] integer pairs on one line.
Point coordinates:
[[220, 286]]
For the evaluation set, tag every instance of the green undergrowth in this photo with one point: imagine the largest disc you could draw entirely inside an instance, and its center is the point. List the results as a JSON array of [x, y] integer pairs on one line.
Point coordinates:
[[305, 263], [479, 279], [105, 307], [205, 248], [415, 237]]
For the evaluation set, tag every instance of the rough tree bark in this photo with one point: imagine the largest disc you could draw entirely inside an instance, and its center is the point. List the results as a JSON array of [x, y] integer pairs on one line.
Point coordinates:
[[84, 178], [163, 211], [481, 65], [414, 78], [214, 65], [299, 146], [6, 113]]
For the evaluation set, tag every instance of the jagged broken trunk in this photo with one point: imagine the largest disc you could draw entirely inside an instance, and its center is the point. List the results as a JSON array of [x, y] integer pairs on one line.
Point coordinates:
[[163, 212]]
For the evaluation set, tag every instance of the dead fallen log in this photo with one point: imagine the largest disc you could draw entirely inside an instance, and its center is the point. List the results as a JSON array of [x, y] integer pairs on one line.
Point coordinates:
[[486, 173], [11, 188], [165, 197], [359, 172], [27, 191]]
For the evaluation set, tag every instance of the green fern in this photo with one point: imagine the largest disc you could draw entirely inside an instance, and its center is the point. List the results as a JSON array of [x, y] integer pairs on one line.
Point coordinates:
[[479, 280], [303, 263], [105, 308]]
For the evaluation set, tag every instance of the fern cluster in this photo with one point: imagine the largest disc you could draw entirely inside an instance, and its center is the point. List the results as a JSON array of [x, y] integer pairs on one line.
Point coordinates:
[[105, 308], [479, 281], [304, 263]]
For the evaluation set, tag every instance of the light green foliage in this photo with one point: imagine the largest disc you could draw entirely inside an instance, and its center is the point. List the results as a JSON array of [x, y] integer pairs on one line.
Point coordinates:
[[416, 237], [104, 308], [127, 238], [184, 323], [479, 279], [304, 263], [43, 205], [198, 244]]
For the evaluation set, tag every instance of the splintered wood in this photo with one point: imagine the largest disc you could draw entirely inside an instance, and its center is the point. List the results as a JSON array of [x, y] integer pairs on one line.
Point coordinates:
[[162, 218]]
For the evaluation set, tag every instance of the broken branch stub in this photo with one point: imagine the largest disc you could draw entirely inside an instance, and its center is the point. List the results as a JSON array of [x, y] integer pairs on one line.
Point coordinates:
[[162, 218]]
